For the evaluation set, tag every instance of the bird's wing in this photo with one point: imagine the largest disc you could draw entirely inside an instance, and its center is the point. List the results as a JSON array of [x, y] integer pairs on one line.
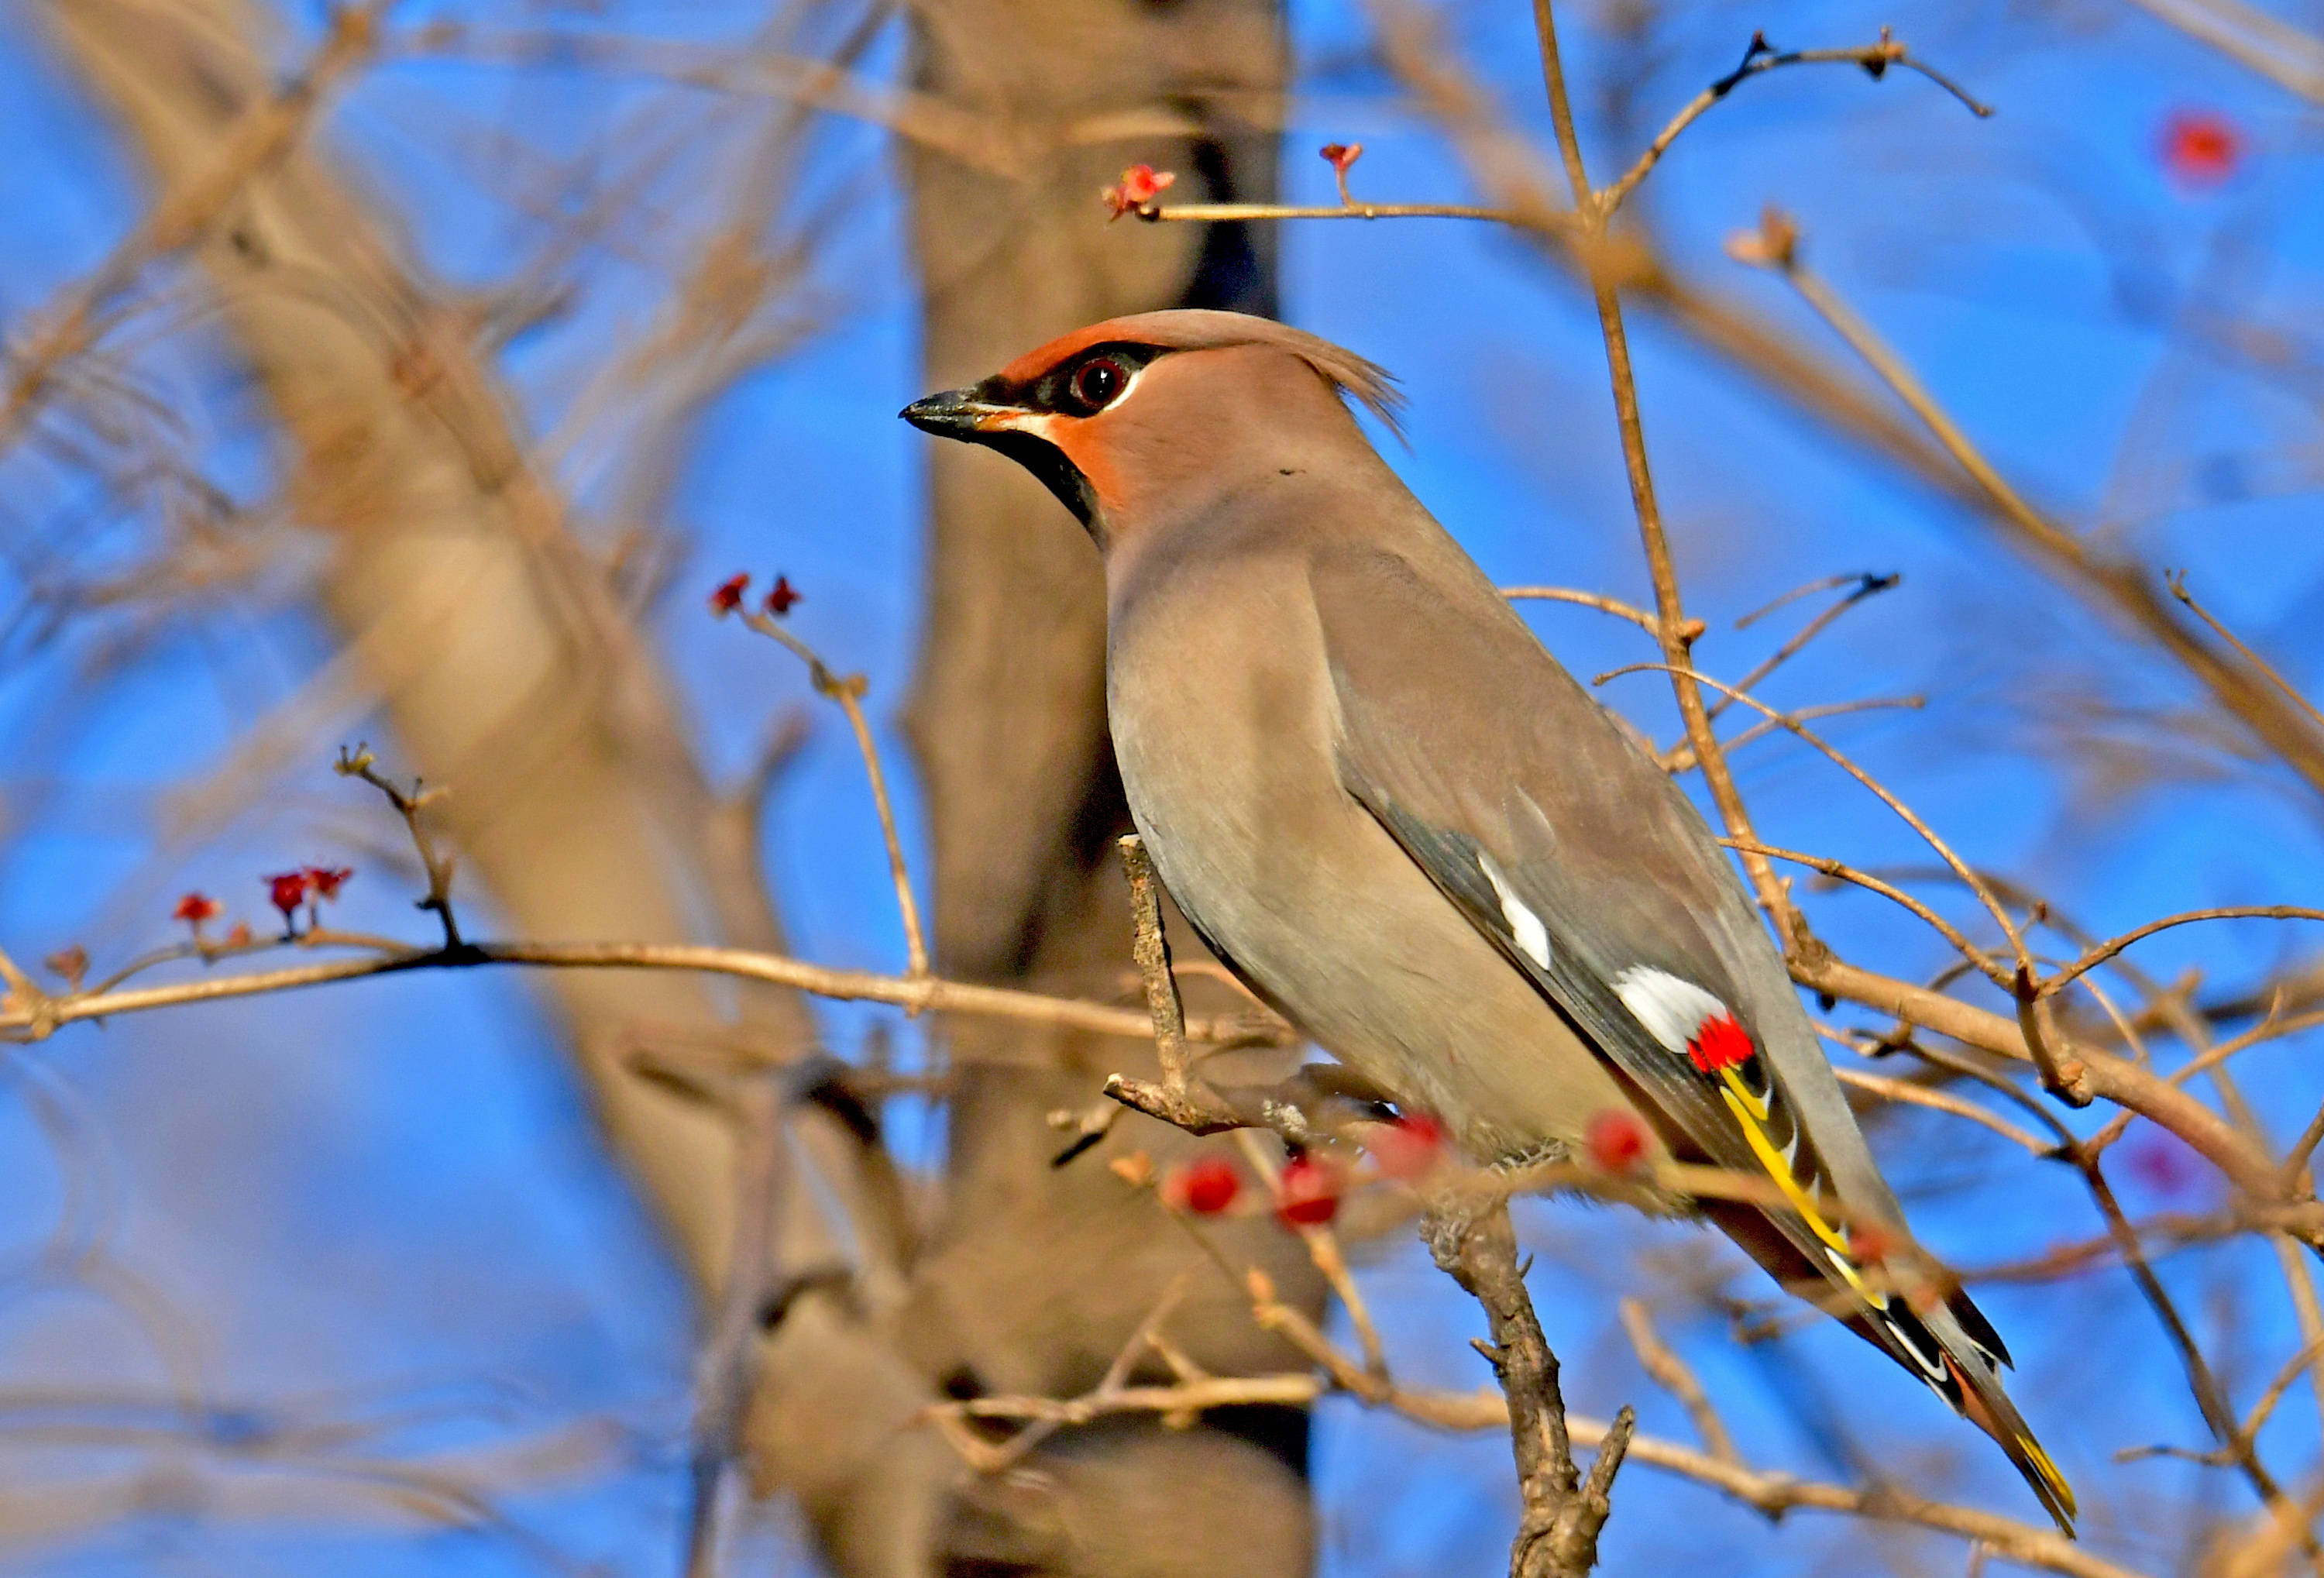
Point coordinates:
[[1550, 828], [1561, 841]]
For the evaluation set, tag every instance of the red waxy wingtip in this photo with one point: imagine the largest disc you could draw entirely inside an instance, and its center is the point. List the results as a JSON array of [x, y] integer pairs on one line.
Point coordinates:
[[1719, 1043]]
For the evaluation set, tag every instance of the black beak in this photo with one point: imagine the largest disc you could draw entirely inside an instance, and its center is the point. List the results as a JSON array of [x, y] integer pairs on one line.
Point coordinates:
[[986, 414], [958, 413]]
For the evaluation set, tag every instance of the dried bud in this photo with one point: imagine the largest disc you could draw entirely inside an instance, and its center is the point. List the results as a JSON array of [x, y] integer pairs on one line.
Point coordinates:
[[1136, 1169], [1408, 1149], [71, 964], [1775, 245], [238, 935], [194, 909], [1204, 1186], [2200, 149], [286, 891], [325, 882], [728, 597], [1141, 184], [1307, 1194], [1615, 1141], [783, 596], [1339, 155]]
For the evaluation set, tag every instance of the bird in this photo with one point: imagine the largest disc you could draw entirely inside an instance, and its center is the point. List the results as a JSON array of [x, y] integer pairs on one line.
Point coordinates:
[[1388, 810]]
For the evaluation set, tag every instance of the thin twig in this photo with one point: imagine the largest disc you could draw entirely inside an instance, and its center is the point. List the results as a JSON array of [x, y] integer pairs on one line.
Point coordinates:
[[2177, 581], [848, 690], [2120, 588], [1673, 1375], [1867, 586], [1961, 868], [437, 864], [1671, 623], [259, 137], [1324, 1249], [1911, 1094], [2098, 1073], [1619, 610], [1156, 213], [2303, 1150], [926, 993], [1969, 951], [727, 1368], [2294, 1368], [1681, 758], [1772, 1492], [1757, 60], [2268, 1029], [2109, 949]]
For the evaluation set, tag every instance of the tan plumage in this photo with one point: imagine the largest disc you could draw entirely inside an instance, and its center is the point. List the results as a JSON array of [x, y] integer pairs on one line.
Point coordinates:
[[1392, 812]]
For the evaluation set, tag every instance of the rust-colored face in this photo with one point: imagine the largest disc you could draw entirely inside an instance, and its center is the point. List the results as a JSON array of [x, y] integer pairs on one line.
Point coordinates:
[[1138, 420], [1047, 411]]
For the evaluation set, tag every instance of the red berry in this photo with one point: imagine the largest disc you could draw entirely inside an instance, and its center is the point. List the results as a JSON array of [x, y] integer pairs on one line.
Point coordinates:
[[1870, 1242], [2200, 148], [2166, 1164], [1615, 1141], [1205, 1187], [1410, 1147], [1308, 1193]]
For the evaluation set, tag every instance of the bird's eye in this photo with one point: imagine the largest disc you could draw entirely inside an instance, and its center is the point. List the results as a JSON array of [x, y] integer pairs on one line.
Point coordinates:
[[1096, 384]]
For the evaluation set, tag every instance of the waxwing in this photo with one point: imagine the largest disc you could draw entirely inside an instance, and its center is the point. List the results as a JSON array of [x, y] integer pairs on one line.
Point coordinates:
[[1392, 813]]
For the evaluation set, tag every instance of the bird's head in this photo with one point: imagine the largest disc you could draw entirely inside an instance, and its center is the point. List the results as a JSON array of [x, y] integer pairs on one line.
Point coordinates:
[[1138, 420]]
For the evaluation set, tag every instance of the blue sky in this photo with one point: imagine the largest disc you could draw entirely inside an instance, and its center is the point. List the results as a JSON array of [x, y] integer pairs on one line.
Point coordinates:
[[390, 1191]]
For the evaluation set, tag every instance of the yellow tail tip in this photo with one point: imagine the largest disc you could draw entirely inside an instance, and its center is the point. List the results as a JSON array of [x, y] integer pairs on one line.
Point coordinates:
[[2060, 1491]]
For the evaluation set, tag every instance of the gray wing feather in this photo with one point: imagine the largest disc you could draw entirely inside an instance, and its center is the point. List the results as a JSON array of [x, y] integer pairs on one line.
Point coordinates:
[[1587, 831], [1504, 780]]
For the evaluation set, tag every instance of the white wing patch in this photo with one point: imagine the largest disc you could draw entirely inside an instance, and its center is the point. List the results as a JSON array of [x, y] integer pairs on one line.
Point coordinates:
[[1532, 936], [1673, 1010]]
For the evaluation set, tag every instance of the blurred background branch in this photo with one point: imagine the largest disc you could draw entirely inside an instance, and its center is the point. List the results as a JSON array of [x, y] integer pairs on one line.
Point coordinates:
[[413, 375]]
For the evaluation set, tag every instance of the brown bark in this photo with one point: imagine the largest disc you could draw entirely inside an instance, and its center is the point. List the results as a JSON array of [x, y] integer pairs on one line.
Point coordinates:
[[511, 673], [1038, 1276]]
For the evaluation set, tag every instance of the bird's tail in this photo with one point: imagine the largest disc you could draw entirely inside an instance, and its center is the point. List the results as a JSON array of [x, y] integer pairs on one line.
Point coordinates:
[[1950, 1346], [1971, 1353]]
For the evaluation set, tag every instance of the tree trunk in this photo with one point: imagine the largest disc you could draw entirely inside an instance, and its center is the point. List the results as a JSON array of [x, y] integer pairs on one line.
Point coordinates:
[[512, 674], [1038, 1276]]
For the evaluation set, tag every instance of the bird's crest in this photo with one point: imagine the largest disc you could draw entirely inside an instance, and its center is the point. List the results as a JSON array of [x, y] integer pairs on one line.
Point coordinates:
[[1198, 330]]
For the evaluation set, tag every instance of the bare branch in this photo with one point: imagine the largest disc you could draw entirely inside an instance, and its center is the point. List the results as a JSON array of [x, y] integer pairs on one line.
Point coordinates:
[[2122, 589], [848, 692], [2177, 581], [925, 994], [1910, 1094], [262, 136], [1976, 957], [1692, 630], [1758, 59], [1671, 1374], [1557, 1536], [1155, 213]]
